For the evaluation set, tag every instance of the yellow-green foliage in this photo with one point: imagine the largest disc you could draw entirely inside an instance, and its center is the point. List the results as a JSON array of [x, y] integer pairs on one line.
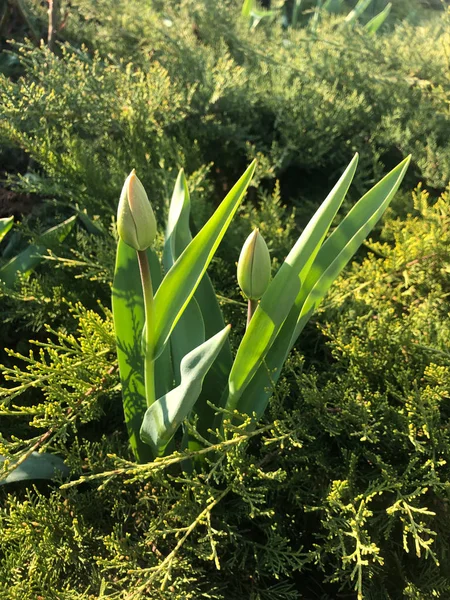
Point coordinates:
[[185, 84], [344, 489], [345, 486]]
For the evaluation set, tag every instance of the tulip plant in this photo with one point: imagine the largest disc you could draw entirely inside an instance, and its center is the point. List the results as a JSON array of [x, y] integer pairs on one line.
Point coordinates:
[[174, 354]]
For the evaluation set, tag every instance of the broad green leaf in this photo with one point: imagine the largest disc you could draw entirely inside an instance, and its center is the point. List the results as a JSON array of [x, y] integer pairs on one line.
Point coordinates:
[[280, 296], [205, 317], [188, 333], [12, 245], [331, 259], [33, 255], [35, 466], [5, 226], [129, 321], [178, 233], [345, 240], [374, 24], [180, 283], [164, 416], [354, 14]]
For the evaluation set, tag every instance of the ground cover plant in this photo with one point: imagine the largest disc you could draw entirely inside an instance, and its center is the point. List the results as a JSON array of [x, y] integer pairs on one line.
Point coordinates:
[[343, 483], [340, 488]]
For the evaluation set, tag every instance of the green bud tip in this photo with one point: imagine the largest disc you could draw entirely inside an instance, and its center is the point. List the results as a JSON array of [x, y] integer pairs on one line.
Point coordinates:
[[253, 271], [136, 223]]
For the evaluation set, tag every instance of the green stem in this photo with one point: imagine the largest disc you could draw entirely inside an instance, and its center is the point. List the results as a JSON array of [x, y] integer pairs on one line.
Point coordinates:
[[251, 307], [149, 363]]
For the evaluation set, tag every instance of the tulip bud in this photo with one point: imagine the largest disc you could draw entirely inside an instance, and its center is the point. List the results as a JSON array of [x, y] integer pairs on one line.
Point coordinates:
[[136, 223], [253, 271]]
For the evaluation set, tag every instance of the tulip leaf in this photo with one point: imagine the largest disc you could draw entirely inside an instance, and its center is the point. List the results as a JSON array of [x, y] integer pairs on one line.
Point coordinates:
[[188, 333], [33, 255], [280, 296], [180, 283], [374, 24], [354, 14], [178, 233], [331, 259], [35, 466], [205, 317], [164, 416], [129, 321], [5, 226]]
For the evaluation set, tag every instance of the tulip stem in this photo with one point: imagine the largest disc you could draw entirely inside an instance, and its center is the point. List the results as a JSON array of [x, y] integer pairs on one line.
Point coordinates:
[[251, 307], [149, 363]]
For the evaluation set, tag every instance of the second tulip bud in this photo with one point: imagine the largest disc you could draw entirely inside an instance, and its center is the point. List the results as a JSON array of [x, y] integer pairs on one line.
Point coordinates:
[[254, 266]]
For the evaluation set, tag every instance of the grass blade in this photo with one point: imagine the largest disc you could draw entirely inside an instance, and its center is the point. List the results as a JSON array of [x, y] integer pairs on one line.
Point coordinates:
[[354, 14], [247, 7]]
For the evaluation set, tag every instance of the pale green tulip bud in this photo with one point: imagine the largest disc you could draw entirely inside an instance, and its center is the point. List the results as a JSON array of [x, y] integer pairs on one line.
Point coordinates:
[[253, 271], [136, 223]]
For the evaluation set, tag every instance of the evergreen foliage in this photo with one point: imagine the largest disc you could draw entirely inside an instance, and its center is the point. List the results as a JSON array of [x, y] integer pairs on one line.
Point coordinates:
[[342, 491], [344, 487], [186, 85]]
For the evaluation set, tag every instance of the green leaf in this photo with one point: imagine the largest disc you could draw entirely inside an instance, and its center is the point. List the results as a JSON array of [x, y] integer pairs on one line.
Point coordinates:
[[188, 333], [247, 8], [35, 466], [205, 317], [280, 296], [331, 259], [33, 255], [315, 18], [354, 14], [5, 226], [262, 14], [296, 12], [178, 233], [374, 24], [91, 226], [164, 416], [345, 240], [180, 283], [129, 321], [333, 6]]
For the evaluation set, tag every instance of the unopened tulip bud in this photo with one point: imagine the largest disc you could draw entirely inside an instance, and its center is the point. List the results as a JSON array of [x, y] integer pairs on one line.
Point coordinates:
[[136, 223], [254, 266]]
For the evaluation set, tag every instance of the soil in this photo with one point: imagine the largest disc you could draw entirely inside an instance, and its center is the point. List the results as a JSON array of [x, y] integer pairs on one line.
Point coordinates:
[[16, 203]]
